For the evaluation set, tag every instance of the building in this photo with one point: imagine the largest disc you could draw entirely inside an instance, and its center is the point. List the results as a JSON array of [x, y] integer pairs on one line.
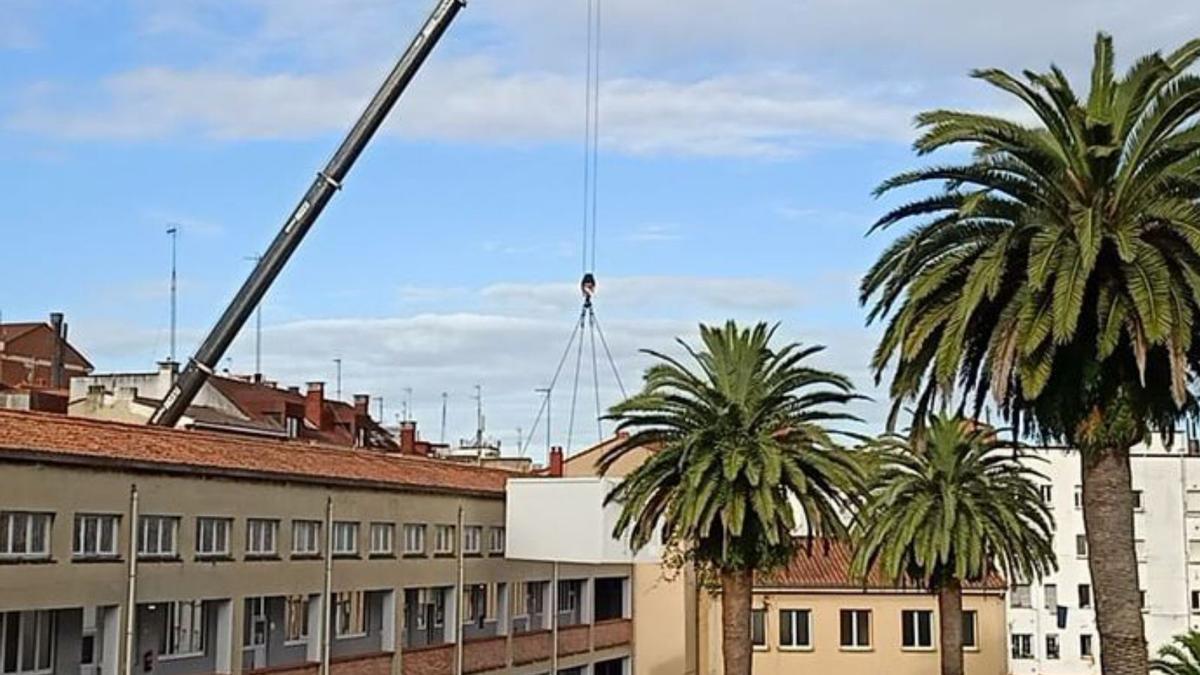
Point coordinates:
[[1052, 624], [243, 406], [256, 556], [36, 364]]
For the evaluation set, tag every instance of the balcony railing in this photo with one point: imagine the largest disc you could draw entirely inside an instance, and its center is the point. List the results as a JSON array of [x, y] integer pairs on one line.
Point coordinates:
[[612, 633]]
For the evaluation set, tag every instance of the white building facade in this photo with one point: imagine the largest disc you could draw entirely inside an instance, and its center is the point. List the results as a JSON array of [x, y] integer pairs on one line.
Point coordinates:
[[1052, 624]]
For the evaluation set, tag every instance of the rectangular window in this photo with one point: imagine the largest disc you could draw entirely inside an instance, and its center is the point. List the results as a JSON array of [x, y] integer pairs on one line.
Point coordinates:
[[443, 539], [472, 539], [496, 543], [350, 614], [1142, 599], [856, 628], [1139, 547], [382, 536], [795, 629], [345, 538], [970, 629], [306, 537], [916, 628], [1047, 494], [568, 595], [157, 536], [24, 535], [1195, 601], [27, 647], [1081, 548], [1052, 649], [212, 536], [1085, 646], [475, 598], [1138, 504], [1022, 646], [182, 629], [535, 596], [295, 619], [96, 536], [1078, 496], [758, 628], [261, 534], [414, 539], [1050, 596], [1085, 596], [1020, 596]]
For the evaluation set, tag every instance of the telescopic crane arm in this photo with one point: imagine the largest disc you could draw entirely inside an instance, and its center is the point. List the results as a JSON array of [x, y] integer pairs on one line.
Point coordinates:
[[328, 181]]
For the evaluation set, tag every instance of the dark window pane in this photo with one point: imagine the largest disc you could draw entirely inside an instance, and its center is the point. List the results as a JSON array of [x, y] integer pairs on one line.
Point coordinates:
[[847, 620], [785, 628], [968, 629]]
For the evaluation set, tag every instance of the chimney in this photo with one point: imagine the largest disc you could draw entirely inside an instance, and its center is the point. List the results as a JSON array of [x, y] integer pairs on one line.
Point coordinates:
[[95, 396], [314, 405], [58, 374], [408, 437], [361, 403], [556, 462]]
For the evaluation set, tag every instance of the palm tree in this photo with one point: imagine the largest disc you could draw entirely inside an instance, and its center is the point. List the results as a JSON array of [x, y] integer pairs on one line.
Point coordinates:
[[1058, 268], [941, 511], [739, 433], [1180, 657]]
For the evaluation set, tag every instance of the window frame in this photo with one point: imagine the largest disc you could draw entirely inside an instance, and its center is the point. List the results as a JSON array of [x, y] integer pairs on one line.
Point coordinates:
[[1084, 593], [44, 625], [497, 540], [789, 616], [79, 539], [29, 520], [145, 521], [346, 532], [420, 529], [267, 528], [1087, 646], [222, 529], [1053, 647], [378, 527], [759, 614], [916, 615], [472, 540], [971, 618], [169, 639], [1024, 640], [1020, 596], [315, 535], [856, 644], [446, 532], [1081, 546], [290, 605], [345, 599]]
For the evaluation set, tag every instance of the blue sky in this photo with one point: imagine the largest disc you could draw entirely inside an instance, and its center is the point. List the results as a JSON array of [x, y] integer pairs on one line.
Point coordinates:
[[740, 141]]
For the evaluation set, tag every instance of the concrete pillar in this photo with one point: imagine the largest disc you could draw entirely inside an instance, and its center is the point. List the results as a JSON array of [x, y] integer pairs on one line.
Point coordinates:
[[315, 625], [112, 629]]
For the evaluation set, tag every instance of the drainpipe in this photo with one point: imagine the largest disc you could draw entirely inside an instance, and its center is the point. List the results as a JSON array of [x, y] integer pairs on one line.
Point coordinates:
[[459, 614], [131, 584], [326, 592], [554, 618]]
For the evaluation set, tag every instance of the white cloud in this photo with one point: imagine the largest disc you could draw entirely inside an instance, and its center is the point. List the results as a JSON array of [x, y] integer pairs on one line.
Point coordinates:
[[659, 293], [654, 233]]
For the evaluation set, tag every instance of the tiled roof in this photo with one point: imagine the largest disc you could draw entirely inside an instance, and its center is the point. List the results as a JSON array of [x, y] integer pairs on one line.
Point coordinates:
[[825, 564], [72, 439]]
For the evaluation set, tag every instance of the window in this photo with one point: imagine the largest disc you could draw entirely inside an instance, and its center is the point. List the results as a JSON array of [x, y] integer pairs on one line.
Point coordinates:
[[1022, 646], [306, 537], [568, 595], [1142, 599], [96, 536], [1047, 493], [1139, 547], [795, 629], [856, 628], [350, 614], [1085, 596], [970, 629], [1078, 496], [472, 536], [1052, 650], [1138, 505], [24, 535], [1020, 596], [1050, 596], [1081, 548], [414, 539], [182, 629], [758, 628], [1196, 601], [27, 647], [260, 536], [535, 597], [475, 597], [293, 427], [496, 543], [212, 536], [295, 619], [443, 539], [345, 538], [1085, 646], [157, 536], [382, 535], [916, 628]]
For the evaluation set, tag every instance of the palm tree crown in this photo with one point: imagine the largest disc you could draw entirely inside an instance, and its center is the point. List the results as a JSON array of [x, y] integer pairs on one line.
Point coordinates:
[[1180, 657], [951, 506], [740, 434], [1059, 267]]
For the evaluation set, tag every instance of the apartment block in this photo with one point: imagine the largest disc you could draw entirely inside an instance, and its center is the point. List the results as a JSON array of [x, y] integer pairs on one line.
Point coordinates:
[[1052, 624], [126, 549]]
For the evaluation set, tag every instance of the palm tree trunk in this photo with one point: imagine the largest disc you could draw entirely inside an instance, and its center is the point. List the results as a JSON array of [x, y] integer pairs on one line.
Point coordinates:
[[950, 623], [736, 594], [1112, 560]]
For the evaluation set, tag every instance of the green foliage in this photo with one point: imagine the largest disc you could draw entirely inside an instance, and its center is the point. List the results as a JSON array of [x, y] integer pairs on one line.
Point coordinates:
[[951, 505], [1179, 657], [1058, 268], [737, 433]]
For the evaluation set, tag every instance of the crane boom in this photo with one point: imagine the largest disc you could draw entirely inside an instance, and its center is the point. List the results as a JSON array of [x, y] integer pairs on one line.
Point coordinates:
[[328, 181]]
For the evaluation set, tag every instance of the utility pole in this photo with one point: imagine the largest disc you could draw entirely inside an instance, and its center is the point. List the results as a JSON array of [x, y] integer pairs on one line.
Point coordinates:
[[338, 361], [256, 258], [173, 232], [445, 396], [546, 392]]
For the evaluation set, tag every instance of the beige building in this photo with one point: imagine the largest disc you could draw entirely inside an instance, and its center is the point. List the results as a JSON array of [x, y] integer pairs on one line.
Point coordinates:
[[126, 549]]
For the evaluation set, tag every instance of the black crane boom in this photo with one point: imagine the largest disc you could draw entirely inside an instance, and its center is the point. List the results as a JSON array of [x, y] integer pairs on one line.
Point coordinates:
[[327, 182]]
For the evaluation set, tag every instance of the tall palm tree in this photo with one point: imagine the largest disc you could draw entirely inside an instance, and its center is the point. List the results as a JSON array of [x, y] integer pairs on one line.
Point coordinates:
[[942, 510], [740, 432], [1058, 268], [1180, 657]]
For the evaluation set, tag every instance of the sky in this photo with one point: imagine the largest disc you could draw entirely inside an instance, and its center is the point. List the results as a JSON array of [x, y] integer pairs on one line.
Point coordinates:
[[740, 141]]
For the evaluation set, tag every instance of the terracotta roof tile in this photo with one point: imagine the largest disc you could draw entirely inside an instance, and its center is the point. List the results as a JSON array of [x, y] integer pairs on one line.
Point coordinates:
[[825, 564], [51, 437]]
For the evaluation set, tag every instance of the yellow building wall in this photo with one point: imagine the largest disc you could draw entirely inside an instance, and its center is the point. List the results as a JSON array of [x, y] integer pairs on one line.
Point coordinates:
[[664, 621]]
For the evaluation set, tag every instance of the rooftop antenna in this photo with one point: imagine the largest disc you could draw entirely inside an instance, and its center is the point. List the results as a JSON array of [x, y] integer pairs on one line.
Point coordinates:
[[380, 400], [445, 396], [408, 403], [256, 258], [478, 415], [338, 362], [173, 232]]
